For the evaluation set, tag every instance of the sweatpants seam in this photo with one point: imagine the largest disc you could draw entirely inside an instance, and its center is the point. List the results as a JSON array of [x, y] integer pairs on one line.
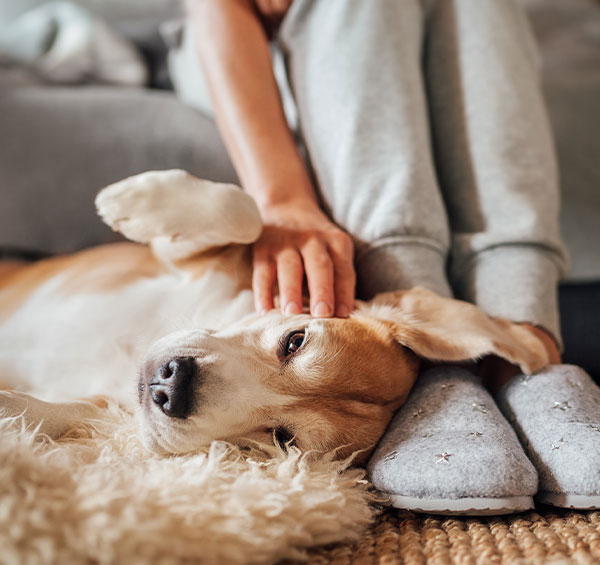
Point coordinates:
[[470, 264], [522, 251], [401, 242]]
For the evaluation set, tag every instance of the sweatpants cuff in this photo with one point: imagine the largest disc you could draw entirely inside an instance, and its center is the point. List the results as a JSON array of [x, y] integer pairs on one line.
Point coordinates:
[[400, 266], [514, 282]]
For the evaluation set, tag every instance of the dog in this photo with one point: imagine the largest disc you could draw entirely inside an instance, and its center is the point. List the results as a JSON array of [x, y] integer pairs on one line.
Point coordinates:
[[77, 329]]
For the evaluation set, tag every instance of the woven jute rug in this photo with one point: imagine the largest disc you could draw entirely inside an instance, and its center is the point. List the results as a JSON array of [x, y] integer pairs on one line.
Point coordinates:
[[545, 536]]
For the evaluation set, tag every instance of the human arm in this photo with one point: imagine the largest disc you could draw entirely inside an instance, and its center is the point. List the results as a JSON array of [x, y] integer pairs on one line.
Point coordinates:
[[298, 237]]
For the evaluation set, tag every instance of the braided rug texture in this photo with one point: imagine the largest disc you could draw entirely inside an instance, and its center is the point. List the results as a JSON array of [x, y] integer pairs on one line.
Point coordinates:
[[550, 536]]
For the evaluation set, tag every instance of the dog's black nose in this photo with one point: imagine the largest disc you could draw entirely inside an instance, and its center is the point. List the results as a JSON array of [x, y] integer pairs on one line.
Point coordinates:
[[171, 387]]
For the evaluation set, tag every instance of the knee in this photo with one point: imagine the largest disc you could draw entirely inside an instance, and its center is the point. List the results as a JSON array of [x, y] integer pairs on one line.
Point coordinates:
[[351, 18]]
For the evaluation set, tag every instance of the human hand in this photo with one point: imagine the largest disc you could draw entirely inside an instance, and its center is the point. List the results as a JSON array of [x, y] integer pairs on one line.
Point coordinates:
[[299, 239], [548, 341], [496, 372]]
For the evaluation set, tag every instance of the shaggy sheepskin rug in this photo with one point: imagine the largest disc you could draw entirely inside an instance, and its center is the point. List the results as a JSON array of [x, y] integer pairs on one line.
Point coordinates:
[[98, 496]]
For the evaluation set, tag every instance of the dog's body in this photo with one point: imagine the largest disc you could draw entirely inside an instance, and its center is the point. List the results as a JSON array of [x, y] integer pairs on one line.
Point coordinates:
[[85, 324], [61, 316]]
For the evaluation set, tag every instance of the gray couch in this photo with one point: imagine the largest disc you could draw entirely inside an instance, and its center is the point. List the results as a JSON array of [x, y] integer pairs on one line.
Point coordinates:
[[61, 144]]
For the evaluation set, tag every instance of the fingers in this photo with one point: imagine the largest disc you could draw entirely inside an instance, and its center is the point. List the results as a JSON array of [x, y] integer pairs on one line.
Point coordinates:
[[289, 277], [325, 257], [319, 275], [342, 254], [263, 280]]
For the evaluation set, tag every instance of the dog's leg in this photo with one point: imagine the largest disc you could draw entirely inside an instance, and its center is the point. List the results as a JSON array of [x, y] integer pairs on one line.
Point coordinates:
[[53, 419], [179, 214]]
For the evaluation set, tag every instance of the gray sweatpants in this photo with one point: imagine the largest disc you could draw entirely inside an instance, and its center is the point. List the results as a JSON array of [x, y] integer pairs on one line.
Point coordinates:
[[426, 131]]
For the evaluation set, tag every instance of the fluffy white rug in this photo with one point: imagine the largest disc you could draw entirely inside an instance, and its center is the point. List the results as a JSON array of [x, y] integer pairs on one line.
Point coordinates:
[[99, 496]]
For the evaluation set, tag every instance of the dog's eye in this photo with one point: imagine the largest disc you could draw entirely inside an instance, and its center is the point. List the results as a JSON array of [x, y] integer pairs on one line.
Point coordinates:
[[282, 437], [293, 342]]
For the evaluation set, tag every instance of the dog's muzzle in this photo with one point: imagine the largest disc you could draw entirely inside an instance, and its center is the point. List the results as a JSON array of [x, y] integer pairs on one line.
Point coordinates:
[[171, 386]]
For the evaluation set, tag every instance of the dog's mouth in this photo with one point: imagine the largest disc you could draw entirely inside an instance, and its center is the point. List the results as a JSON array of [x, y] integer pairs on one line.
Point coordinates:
[[165, 438]]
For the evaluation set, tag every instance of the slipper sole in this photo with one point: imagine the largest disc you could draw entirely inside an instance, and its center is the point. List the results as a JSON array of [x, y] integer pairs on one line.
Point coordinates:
[[575, 501], [464, 506]]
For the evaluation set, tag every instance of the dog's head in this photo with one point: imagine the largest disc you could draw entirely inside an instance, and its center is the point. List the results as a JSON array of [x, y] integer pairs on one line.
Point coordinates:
[[319, 383]]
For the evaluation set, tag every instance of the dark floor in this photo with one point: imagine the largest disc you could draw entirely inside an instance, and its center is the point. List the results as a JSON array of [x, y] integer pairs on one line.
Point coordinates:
[[580, 318]]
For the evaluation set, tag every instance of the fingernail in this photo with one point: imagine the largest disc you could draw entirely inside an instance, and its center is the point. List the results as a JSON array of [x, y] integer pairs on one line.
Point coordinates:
[[292, 308], [343, 311], [322, 310]]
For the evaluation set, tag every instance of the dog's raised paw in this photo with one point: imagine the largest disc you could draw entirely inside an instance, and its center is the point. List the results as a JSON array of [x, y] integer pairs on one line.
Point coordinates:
[[174, 204]]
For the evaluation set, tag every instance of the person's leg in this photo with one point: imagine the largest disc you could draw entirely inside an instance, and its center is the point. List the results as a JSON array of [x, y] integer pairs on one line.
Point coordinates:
[[355, 69], [495, 159], [355, 72]]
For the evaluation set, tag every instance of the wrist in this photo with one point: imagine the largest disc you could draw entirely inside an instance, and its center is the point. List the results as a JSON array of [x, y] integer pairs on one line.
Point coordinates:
[[273, 199]]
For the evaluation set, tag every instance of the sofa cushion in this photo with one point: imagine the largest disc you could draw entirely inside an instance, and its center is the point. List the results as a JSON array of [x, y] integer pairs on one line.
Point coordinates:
[[61, 145]]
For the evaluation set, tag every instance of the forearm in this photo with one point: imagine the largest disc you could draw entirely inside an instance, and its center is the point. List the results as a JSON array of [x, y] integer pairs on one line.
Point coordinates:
[[234, 52], [298, 239]]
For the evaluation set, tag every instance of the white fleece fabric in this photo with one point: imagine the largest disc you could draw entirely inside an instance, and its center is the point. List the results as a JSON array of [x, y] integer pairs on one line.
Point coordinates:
[[99, 496]]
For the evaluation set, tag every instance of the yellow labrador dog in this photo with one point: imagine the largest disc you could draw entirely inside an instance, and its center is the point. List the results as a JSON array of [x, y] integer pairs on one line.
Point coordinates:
[[174, 319]]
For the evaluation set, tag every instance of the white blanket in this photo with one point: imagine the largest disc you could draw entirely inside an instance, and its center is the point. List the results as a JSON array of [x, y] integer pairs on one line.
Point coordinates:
[[64, 43]]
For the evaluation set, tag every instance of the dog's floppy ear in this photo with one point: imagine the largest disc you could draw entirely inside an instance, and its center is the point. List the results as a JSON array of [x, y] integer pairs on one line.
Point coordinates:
[[444, 329]]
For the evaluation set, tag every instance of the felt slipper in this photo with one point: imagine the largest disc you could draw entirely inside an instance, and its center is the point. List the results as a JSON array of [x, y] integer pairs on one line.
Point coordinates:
[[556, 413], [449, 450]]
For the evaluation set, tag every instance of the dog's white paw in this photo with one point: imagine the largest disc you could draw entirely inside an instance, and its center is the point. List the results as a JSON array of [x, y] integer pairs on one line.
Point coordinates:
[[49, 418], [179, 207], [20, 405]]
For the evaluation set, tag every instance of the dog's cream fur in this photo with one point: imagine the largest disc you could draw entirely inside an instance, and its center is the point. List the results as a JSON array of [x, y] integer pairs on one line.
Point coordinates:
[[89, 323]]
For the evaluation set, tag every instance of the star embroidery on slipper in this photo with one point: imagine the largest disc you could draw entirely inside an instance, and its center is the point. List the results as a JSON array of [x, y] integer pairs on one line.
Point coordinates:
[[480, 408], [476, 434], [561, 405], [594, 427], [390, 456], [447, 386], [558, 444], [428, 434], [573, 384], [419, 413], [443, 457], [525, 379]]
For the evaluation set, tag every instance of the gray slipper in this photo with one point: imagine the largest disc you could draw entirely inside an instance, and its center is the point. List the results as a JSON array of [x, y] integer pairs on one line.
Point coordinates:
[[556, 413], [449, 450]]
